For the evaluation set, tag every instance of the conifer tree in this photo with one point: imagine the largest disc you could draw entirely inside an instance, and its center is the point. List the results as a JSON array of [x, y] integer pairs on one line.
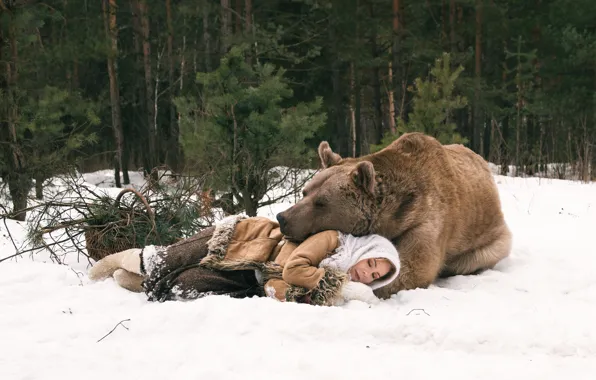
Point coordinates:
[[245, 125]]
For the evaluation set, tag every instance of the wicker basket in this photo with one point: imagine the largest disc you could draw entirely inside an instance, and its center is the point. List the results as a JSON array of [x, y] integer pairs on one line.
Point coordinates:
[[101, 242]]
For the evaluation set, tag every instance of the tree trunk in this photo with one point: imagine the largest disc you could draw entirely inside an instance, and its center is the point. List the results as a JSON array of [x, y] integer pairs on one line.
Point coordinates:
[[477, 139], [238, 17], [248, 16], [486, 137], [172, 152], [361, 140], [75, 74], [338, 110], [359, 131], [180, 152], [376, 84], [353, 136], [391, 103], [39, 178], [248, 26], [138, 94], [151, 130], [452, 25], [16, 175], [444, 38], [111, 29], [585, 150], [394, 78], [593, 136], [226, 27], [206, 41], [250, 203], [504, 153], [341, 132], [519, 105]]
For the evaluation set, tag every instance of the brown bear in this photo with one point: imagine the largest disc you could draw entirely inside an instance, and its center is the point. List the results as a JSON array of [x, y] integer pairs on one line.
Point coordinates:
[[438, 204]]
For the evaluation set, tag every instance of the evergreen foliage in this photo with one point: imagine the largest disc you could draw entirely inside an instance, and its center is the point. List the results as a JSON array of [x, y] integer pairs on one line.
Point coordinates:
[[434, 103], [112, 83], [246, 124]]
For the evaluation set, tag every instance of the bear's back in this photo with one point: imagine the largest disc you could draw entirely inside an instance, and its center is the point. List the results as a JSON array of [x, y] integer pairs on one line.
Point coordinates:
[[457, 179]]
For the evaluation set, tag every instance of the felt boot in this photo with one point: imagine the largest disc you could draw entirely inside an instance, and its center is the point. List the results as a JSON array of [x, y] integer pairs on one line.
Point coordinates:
[[128, 260]]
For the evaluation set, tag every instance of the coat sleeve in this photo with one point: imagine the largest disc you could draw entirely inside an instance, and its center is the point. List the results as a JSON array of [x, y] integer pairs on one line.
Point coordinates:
[[302, 269]]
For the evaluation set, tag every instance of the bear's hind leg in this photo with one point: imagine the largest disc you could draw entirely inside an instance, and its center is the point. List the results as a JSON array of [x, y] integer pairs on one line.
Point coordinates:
[[480, 259]]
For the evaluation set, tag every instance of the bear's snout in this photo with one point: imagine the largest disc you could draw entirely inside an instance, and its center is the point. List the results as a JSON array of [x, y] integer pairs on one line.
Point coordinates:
[[282, 222]]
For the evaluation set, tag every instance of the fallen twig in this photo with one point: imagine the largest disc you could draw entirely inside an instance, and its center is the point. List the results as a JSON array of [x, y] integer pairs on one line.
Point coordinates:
[[79, 274], [111, 331], [422, 310]]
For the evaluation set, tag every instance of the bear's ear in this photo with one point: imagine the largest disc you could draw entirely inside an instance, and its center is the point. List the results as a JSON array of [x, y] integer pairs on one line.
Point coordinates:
[[328, 158], [364, 176], [411, 143]]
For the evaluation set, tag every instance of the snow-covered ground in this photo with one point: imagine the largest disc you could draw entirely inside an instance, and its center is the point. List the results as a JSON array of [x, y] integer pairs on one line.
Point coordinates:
[[532, 317]]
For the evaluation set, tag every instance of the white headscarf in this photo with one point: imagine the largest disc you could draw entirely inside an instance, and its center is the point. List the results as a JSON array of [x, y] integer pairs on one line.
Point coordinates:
[[352, 249]]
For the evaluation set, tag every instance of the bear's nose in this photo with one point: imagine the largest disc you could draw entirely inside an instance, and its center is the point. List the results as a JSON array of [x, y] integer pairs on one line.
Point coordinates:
[[282, 221]]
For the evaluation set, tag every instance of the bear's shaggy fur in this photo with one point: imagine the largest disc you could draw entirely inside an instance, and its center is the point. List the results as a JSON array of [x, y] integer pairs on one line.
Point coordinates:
[[439, 205]]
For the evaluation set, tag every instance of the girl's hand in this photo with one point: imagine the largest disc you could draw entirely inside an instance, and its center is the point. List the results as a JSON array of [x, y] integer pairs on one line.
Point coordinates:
[[353, 290]]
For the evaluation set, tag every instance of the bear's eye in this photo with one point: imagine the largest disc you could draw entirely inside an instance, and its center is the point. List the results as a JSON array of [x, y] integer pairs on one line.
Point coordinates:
[[320, 202]]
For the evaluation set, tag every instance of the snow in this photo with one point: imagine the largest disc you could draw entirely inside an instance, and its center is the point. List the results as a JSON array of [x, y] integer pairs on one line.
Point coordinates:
[[532, 317]]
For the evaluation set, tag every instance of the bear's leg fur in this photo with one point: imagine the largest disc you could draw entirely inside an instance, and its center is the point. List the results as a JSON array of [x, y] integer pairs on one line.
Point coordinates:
[[129, 280], [480, 259], [421, 261]]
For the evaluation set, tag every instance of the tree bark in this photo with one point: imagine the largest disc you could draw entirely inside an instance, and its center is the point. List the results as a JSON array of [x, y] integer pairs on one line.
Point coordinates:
[[238, 17], [151, 152], [180, 152], [504, 148], [75, 73], [341, 132], [593, 137], [16, 175], [250, 204], [392, 106], [444, 37], [359, 129], [248, 26], [477, 133], [452, 25], [39, 178], [353, 130], [394, 78], [248, 16], [111, 30], [226, 27], [206, 40], [361, 140], [173, 149], [141, 22], [376, 83]]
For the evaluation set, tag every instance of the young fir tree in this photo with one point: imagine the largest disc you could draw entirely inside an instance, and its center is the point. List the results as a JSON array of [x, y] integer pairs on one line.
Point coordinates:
[[245, 125], [434, 103], [42, 118], [55, 124]]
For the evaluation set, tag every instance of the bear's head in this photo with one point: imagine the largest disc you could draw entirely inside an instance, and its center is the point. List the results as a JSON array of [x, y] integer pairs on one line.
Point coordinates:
[[339, 197]]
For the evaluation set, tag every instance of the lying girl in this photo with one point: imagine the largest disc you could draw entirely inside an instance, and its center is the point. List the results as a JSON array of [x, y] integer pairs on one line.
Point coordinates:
[[243, 257]]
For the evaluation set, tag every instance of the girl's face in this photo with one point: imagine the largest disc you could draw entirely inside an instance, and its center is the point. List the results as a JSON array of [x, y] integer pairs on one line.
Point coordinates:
[[369, 270]]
